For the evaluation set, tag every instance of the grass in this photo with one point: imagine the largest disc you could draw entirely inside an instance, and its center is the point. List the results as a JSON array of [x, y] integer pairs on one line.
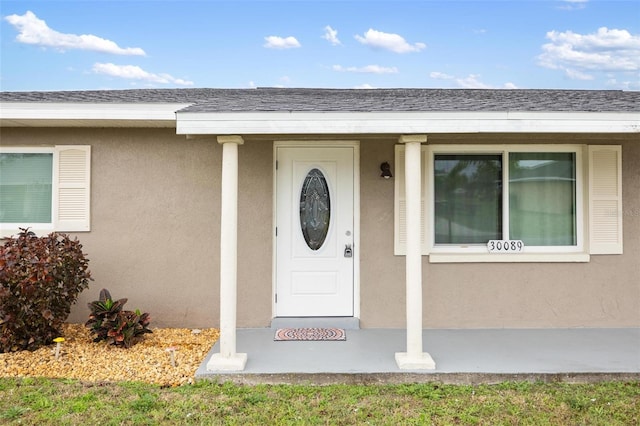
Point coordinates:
[[71, 402]]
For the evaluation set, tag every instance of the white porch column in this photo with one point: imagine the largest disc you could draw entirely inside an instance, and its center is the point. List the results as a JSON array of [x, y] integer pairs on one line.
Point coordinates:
[[228, 359], [414, 358]]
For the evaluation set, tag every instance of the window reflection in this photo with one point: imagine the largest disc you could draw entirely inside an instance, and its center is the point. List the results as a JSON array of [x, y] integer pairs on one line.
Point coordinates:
[[468, 198], [26, 188], [542, 198]]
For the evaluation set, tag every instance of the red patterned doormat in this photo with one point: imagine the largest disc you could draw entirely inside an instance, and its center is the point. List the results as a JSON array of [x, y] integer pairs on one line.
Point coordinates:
[[310, 334]]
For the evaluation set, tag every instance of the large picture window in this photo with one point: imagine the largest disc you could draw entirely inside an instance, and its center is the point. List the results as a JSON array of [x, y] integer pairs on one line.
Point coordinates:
[[540, 188], [521, 193], [564, 202]]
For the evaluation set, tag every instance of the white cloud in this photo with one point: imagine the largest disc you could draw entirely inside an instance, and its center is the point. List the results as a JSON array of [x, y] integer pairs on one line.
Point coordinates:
[[331, 35], [471, 81], [33, 30], [364, 86], [625, 85], [577, 75], [440, 76], [133, 72], [368, 69], [605, 50], [275, 42], [387, 41], [573, 4]]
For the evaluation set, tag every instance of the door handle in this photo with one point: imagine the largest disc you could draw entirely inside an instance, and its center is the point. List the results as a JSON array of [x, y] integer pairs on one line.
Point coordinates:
[[348, 251]]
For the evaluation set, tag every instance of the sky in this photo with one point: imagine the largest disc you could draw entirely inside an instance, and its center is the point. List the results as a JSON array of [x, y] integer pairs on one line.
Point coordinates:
[[503, 44]]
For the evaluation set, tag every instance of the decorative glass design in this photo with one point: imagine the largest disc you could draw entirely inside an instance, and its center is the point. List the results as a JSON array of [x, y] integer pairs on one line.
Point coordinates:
[[315, 209]]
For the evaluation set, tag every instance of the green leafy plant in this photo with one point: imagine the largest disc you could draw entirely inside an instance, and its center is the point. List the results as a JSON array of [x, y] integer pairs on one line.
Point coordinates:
[[108, 321], [40, 278]]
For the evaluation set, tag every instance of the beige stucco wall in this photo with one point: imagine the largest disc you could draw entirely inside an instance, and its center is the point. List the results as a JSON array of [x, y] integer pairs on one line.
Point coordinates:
[[602, 293], [155, 240], [154, 212]]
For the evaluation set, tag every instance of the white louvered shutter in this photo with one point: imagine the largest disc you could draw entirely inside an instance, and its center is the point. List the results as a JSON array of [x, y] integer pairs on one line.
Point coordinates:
[[72, 165], [400, 205], [605, 199]]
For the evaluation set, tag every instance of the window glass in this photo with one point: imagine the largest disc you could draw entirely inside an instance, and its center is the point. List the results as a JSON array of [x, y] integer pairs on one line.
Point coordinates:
[[25, 187], [468, 198], [315, 209], [542, 198]]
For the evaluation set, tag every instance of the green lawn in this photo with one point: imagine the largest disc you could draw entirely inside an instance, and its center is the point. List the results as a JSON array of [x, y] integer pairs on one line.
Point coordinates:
[[70, 402]]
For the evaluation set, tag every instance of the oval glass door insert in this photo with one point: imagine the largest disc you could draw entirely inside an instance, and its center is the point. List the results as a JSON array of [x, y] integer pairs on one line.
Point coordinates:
[[315, 209]]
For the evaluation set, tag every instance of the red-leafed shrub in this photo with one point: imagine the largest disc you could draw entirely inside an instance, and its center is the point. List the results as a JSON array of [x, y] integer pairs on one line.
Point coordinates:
[[40, 278], [109, 322]]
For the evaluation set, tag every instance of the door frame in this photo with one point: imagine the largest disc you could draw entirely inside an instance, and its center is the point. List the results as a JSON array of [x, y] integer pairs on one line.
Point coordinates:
[[356, 212]]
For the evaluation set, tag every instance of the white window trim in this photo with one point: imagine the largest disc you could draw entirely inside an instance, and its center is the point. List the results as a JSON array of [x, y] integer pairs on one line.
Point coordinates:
[[586, 173], [504, 150], [80, 182]]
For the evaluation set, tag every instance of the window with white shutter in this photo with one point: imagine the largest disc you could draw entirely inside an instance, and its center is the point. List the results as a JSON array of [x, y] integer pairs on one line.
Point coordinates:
[[45, 189], [538, 198]]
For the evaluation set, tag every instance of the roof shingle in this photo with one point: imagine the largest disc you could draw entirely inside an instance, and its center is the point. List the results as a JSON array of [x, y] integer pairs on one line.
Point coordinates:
[[351, 100]]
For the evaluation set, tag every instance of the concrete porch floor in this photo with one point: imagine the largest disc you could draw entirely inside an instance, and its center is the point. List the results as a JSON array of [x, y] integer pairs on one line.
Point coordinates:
[[461, 356]]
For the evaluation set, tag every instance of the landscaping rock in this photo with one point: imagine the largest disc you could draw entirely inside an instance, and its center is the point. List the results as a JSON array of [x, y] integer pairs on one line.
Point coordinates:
[[147, 361]]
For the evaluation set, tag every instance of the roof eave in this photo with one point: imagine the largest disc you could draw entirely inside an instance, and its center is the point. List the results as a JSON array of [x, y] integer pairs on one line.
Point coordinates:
[[405, 122], [48, 114], [168, 115]]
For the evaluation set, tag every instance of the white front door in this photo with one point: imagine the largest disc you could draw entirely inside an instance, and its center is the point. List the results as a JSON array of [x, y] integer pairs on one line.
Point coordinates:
[[315, 231]]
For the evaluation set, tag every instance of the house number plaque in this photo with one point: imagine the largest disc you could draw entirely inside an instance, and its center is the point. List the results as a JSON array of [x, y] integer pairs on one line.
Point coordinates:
[[505, 246]]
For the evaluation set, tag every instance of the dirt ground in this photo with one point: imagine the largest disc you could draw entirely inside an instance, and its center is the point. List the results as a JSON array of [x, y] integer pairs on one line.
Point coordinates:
[[147, 361]]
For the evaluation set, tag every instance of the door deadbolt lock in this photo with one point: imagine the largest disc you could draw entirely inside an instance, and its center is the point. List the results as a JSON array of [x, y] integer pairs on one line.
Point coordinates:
[[348, 251]]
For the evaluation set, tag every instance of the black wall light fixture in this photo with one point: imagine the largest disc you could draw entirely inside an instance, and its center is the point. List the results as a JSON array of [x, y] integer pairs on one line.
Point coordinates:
[[386, 170]]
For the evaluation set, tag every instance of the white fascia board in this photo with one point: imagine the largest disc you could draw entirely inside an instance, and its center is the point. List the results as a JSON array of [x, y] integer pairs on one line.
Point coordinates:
[[89, 111], [405, 122]]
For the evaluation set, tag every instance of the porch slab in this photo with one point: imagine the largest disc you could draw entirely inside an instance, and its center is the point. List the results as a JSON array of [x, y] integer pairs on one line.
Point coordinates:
[[461, 356]]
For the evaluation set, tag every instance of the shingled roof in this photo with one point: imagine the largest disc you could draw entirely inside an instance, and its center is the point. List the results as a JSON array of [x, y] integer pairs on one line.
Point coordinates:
[[350, 100]]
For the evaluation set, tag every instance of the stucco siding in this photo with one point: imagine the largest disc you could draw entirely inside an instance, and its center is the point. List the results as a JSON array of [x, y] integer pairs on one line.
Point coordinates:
[[155, 220], [382, 273], [255, 234], [155, 226], [604, 292]]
